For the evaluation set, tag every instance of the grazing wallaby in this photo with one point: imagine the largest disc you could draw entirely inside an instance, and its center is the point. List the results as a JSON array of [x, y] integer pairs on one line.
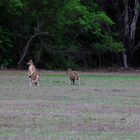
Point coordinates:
[[33, 73], [73, 76]]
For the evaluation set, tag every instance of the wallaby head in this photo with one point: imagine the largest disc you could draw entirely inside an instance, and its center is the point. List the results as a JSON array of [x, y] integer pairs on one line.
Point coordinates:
[[30, 62], [68, 71]]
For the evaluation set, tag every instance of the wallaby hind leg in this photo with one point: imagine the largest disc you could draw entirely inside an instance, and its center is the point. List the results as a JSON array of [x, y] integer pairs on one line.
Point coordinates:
[[79, 81], [30, 81], [38, 80], [38, 83], [72, 82]]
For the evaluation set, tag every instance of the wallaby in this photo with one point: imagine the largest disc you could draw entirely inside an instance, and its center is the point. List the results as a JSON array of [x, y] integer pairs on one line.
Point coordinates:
[[33, 73], [73, 76]]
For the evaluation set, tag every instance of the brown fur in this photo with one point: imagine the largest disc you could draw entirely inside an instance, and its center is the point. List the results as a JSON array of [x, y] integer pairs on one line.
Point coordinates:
[[32, 73], [34, 76], [73, 76]]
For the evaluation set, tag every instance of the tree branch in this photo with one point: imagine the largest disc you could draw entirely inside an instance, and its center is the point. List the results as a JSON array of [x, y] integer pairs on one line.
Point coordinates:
[[28, 44]]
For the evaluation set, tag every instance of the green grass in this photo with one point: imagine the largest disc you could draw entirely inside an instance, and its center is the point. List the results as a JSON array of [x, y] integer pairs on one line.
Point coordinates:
[[105, 106]]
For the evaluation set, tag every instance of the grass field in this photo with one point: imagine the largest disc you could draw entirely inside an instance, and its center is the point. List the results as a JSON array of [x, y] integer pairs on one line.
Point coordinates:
[[106, 106]]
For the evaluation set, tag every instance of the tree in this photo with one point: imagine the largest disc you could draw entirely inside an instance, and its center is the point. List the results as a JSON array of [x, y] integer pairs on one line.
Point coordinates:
[[64, 33], [127, 13], [81, 27], [9, 11]]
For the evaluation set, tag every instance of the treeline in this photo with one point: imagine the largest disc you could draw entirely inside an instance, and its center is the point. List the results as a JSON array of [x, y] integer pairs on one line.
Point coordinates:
[[58, 34]]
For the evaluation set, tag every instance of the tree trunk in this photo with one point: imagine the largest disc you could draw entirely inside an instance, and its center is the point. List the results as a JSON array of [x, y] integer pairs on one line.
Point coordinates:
[[129, 30], [126, 33], [125, 60], [132, 46], [126, 21]]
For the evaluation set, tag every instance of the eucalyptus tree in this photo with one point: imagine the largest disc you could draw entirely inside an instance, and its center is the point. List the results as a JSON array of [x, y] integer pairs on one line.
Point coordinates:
[[125, 14], [61, 32]]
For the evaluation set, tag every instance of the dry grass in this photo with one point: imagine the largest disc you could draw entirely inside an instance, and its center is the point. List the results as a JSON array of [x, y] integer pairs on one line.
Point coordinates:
[[105, 107]]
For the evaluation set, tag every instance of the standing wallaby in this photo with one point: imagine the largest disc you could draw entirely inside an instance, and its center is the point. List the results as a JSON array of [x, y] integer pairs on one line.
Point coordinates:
[[73, 76], [33, 74]]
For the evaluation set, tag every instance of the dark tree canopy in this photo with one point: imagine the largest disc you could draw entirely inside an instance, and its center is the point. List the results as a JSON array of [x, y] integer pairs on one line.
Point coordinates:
[[58, 34]]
